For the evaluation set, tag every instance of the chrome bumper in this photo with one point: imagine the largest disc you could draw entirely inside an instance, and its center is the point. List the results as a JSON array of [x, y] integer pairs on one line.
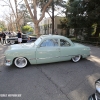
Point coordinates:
[[7, 62]]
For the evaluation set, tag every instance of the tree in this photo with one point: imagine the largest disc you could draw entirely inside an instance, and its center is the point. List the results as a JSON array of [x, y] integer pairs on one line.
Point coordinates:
[[26, 17], [77, 15], [84, 14], [15, 12], [64, 25], [93, 12], [2, 26], [33, 13], [56, 6], [27, 28]]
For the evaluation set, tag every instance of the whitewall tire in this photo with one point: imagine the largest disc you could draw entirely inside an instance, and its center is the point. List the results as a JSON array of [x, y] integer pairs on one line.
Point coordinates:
[[20, 62], [76, 58]]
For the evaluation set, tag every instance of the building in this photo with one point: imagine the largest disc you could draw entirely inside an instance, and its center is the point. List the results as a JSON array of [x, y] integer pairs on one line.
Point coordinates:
[[46, 26]]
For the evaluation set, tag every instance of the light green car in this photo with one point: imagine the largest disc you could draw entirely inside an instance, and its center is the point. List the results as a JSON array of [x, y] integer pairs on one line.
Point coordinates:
[[46, 49]]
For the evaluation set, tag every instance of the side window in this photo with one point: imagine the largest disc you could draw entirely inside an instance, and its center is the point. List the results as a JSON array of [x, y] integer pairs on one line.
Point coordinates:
[[49, 42], [64, 43]]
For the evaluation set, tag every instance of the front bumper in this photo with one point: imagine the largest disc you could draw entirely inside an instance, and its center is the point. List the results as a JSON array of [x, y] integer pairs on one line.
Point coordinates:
[[7, 62]]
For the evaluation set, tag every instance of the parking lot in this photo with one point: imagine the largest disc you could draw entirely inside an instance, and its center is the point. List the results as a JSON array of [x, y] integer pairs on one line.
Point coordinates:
[[55, 81]]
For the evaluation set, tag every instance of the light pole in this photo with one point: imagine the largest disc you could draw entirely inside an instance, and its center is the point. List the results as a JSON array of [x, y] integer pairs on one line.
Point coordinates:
[[52, 16]]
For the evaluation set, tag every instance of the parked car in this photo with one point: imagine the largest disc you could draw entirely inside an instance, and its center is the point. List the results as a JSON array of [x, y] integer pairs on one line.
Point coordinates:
[[46, 49], [14, 39], [96, 95]]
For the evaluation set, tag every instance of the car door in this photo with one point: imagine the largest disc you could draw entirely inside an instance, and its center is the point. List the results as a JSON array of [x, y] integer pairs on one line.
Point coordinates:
[[48, 51], [67, 50]]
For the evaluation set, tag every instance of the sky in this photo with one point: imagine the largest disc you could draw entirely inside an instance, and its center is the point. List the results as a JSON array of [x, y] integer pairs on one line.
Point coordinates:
[[4, 9]]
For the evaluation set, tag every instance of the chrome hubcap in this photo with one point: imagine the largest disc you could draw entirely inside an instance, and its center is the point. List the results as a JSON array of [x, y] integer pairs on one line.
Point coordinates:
[[76, 58], [20, 62]]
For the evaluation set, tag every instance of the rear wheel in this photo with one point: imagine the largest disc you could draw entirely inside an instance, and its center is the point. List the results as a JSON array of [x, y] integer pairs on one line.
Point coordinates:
[[20, 62], [76, 58]]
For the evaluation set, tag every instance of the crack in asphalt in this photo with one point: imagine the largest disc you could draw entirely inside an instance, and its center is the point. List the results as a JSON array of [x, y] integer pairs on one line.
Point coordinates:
[[53, 82]]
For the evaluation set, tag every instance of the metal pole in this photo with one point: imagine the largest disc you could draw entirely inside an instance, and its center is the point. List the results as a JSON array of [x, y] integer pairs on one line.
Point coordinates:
[[53, 17]]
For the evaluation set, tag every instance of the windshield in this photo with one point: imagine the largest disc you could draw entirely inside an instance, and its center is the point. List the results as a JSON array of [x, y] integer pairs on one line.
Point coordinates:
[[37, 41]]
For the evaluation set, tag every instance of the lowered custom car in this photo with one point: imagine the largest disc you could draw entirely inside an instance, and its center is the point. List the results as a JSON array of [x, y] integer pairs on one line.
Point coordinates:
[[14, 39], [46, 49]]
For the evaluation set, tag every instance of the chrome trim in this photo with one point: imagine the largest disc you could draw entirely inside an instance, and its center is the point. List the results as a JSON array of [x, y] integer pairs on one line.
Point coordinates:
[[32, 58], [48, 57], [55, 57], [6, 63]]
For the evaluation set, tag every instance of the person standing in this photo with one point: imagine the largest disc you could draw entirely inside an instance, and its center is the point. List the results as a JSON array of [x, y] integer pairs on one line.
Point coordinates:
[[9, 33], [19, 37], [3, 38]]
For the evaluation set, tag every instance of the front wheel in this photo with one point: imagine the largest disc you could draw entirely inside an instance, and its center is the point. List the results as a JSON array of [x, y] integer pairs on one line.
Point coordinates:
[[20, 62], [76, 58], [12, 42]]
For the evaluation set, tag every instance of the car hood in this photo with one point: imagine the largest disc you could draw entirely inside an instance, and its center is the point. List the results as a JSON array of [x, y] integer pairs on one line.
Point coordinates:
[[21, 46]]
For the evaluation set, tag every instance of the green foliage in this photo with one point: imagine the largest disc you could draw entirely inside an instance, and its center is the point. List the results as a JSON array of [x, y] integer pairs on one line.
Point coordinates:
[[27, 28], [83, 14], [0, 29], [76, 14], [2, 26], [41, 4], [93, 11], [94, 26], [63, 22]]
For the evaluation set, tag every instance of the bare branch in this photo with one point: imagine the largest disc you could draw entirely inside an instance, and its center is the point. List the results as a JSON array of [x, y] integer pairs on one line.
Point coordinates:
[[49, 14], [6, 2], [20, 2], [44, 10], [12, 8], [29, 9]]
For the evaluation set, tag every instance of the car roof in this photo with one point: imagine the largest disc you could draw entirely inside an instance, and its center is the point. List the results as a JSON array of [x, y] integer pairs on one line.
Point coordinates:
[[52, 36]]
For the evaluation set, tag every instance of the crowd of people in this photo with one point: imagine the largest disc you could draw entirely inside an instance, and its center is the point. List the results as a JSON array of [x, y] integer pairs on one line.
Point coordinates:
[[5, 35]]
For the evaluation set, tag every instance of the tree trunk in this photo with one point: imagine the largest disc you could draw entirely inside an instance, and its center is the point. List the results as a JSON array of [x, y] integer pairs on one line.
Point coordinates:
[[36, 30], [34, 14]]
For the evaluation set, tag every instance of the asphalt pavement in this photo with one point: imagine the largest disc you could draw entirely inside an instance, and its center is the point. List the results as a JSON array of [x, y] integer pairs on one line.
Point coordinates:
[[55, 81]]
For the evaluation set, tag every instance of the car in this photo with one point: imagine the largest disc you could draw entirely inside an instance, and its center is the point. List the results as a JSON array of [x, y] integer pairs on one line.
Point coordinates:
[[46, 49], [96, 95], [14, 39]]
